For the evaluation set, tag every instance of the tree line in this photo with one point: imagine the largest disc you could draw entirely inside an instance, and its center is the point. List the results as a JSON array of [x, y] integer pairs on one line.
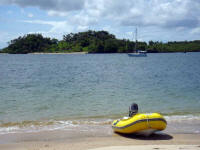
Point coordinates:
[[93, 42]]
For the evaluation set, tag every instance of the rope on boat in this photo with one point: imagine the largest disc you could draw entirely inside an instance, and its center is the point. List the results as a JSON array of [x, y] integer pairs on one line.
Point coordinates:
[[148, 124]]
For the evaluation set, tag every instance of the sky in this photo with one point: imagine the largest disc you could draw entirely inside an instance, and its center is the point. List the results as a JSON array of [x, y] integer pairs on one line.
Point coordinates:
[[157, 20]]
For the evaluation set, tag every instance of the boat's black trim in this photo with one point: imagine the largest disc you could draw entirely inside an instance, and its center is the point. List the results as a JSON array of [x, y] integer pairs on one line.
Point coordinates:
[[143, 120]]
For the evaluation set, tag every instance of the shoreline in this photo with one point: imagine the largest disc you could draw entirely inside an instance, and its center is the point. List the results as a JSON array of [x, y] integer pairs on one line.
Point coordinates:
[[39, 53], [60, 53], [97, 137], [102, 53], [183, 124], [59, 140]]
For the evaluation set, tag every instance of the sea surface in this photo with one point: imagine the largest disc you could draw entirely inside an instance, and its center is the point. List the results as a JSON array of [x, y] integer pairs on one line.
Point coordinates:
[[53, 91]]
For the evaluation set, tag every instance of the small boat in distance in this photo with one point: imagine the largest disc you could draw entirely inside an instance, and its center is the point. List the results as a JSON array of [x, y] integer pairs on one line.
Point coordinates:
[[137, 53]]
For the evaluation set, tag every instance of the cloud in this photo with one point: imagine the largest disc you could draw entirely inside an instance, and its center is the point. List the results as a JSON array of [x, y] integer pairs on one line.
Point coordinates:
[[56, 13], [5, 37], [156, 19], [196, 31], [30, 15], [64, 26], [59, 5], [165, 13], [56, 26]]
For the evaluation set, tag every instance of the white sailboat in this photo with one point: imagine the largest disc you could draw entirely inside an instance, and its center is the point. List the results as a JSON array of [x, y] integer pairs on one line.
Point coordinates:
[[137, 53]]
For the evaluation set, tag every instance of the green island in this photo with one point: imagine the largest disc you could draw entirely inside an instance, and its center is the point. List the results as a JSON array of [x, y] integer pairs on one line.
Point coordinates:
[[92, 42]]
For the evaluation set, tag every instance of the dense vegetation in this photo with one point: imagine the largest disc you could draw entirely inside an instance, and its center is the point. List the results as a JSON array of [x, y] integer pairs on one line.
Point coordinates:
[[182, 46], [29, 43], [92, 42]]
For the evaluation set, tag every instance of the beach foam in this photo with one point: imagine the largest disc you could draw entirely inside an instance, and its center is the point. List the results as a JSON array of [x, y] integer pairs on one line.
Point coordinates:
[[182, 117], [176, 123]]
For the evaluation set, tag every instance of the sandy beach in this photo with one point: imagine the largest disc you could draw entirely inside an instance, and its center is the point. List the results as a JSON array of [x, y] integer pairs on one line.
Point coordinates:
[[67, 140]]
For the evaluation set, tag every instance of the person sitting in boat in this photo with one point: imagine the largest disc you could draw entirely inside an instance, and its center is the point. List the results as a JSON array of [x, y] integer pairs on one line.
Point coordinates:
[[133, 109]]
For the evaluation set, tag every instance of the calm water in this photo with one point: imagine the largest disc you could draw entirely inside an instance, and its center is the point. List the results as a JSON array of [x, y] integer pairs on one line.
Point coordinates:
[[50, 90]]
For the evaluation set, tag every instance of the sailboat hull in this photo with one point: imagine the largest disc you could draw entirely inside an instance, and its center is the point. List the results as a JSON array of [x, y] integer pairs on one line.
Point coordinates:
[[137, 54]]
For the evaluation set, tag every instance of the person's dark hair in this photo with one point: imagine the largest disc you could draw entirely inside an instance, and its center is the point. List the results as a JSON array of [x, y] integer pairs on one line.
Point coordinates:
[[133, 109]]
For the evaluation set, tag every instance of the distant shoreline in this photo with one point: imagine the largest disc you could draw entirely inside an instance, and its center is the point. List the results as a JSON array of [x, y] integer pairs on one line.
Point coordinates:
[[60, 53], [82, 53], [39, 53], [93, 42]]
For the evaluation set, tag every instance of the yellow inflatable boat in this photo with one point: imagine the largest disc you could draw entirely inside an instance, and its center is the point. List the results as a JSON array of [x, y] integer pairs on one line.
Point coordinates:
[[144, 124]]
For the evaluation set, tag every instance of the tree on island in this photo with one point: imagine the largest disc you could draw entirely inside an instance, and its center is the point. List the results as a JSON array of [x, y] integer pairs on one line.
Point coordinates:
[[29, 43]]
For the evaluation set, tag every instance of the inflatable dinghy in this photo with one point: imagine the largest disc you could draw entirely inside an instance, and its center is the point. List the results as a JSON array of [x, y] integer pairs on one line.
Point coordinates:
[[144, 124]]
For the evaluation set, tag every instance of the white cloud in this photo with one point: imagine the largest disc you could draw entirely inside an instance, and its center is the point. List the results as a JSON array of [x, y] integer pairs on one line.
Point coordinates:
[[195, 31], [5, 37], [84, 20], [82, 28], [58, 28], [155, 19], [165, 13], [59, 5], [30, 15], [40, 22], [56, 13]]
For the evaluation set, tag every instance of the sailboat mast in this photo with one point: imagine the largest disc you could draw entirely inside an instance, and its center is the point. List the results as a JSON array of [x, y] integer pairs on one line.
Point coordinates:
[[135, 39]]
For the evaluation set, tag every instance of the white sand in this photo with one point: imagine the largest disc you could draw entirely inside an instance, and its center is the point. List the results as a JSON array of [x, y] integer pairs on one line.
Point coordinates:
[[151, 147], [77, 140]]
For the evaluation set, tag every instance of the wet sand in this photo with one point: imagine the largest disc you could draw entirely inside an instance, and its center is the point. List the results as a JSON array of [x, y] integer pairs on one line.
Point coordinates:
[[68, 140]]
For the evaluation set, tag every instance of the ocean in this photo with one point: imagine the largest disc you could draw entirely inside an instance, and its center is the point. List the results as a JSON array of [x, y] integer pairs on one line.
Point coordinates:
[[40, 92]]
